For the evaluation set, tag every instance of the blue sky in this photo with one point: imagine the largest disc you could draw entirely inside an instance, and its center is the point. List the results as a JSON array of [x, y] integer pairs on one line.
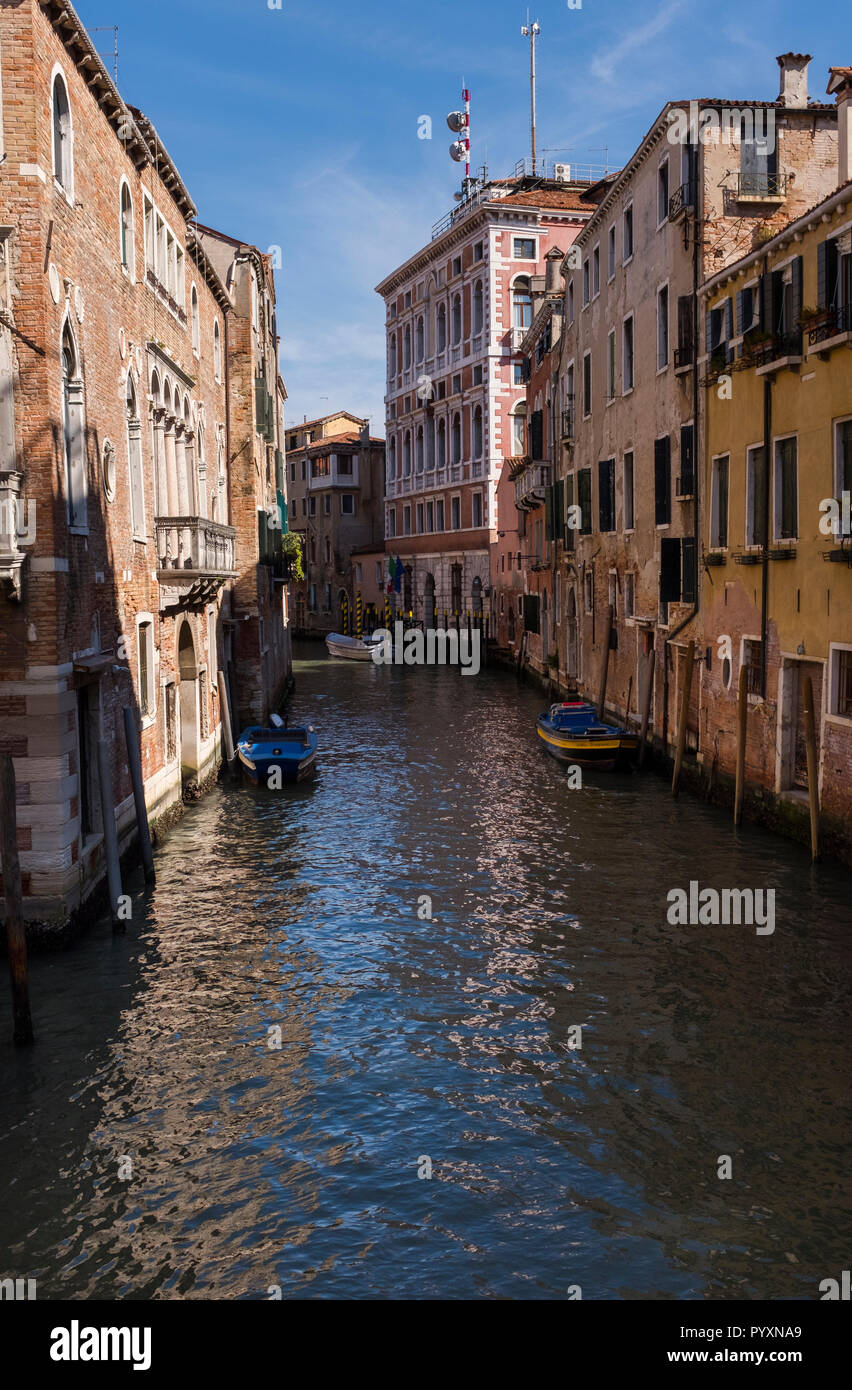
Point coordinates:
[[297, 127]]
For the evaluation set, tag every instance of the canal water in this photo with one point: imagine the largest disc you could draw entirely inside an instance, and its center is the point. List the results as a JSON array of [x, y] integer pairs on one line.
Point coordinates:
[[158, 1142]]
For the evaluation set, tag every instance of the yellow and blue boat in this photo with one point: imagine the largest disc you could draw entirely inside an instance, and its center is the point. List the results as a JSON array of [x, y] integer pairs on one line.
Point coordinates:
[[572, 733]]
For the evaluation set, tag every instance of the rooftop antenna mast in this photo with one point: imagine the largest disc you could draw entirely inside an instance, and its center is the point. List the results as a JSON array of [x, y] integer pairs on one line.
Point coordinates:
[[604, 150], [105, 28], [532, 31], [459, 123]]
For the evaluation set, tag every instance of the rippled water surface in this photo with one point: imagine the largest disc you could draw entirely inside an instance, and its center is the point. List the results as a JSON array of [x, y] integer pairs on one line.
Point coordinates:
[[403, 1039]]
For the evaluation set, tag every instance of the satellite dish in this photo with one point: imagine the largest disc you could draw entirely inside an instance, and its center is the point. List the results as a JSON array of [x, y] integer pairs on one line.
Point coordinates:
[[457, 121], [458, 150]]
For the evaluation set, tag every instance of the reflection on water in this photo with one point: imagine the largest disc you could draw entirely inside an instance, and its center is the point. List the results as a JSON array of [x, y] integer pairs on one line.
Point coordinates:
[[253, 1164]]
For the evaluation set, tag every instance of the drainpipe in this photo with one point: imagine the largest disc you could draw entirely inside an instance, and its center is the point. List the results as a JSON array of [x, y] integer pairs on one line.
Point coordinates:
[[698, 459], [764, 586]]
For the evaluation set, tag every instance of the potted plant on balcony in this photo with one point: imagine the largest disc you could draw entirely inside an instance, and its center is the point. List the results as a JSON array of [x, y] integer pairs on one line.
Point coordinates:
[[291, 550]]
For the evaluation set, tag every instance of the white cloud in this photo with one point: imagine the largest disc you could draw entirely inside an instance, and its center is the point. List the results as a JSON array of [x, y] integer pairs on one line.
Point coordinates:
[[604, 64]]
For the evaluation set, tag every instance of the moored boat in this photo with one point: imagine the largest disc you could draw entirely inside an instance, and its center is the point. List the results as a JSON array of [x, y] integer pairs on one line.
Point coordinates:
[[293, 751], [572, 733], [352, 648]]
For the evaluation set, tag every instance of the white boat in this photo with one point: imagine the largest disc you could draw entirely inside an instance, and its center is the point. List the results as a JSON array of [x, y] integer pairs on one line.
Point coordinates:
[[352, 648]]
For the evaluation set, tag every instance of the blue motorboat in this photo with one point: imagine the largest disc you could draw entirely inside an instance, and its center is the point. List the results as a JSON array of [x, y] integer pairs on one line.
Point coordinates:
[[292, 751], [572, 733]]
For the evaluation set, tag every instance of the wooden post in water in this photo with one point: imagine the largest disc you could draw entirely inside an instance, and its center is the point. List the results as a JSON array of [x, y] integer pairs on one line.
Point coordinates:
[[605, 666], [134, 758], [813, 773], [742, 719], [110, 832], [227, 727], [16, 941], [684, 711], [646, 705], [629, 698]]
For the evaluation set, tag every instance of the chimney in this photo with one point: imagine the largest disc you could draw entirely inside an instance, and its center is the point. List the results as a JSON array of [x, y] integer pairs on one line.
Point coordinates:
[[553, 271], [794, 79], [840, 85]]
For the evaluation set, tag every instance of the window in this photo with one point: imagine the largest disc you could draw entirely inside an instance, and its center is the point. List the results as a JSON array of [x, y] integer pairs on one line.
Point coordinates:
[[570, 301], [128, 244], [63, 162], [596, 272], [629, 594], [521, 303], [326, 506], [455, 513], [477, 307], [518, 377], [419, 340], [662, 481], [606, 494], [442, 443], [217, 351], [587, 384], [456, 384], [457, 319], [585, 283], [477, 509], [610, 367], [74, 433], [347, 504], [406, 454], [457, 266], [719, 503], [406, 347], [145, 654], [477, 376], [418, 450], [662, 328], [441, 328], [344, 465], [627, 356], [150, 243], [430, 516], [456, 446], [391, 522], [519, 439], [524, 248], [439, 515], [419, 517], [611, 253], [840, 682], [477, 432], [663, 193], [479, 251], [684, 330], [786, 509], [584, 500], [134, 457], [196, 321], [758, 167], [842, 458], [752, 662], [629, 514], [755, 496], [406, 520], [628, 235]]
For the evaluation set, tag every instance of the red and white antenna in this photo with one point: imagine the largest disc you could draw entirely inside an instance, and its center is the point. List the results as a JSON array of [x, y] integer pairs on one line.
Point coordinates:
[[459, 123]]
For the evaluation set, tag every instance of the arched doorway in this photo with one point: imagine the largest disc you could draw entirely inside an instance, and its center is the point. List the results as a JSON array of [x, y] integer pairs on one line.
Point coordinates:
[[188, 672], [571, 636], [429, 601]]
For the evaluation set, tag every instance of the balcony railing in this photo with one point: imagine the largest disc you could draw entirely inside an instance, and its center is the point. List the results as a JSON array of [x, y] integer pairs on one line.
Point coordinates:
[[195, 557], [762, 185], [568, 420], [682, 199], [829, 324], [532, 484], [776, 348], [683, 355]]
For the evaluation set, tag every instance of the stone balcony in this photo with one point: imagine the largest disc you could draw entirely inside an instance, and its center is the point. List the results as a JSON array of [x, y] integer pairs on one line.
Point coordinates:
[[195, 557], [531, 485]]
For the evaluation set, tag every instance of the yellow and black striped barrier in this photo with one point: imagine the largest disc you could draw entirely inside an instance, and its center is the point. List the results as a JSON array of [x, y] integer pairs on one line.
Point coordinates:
[[344, 608], [359, 616]]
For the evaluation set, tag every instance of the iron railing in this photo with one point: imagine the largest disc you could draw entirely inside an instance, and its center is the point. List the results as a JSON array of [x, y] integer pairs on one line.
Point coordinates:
[[683, 198], [761, 184], [829, 324]]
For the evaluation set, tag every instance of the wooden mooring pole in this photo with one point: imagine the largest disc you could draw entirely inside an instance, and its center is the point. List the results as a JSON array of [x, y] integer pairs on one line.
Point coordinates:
[[225, 714], [742, 720], [134, 758], [684, 711], [110, 833], [16, 941], [813, 773], [646, 705], [605, 667]]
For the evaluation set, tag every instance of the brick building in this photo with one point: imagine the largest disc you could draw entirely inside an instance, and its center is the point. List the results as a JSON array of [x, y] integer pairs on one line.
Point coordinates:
[[335, 498], [115, 440], [709, 182], [457, 311]]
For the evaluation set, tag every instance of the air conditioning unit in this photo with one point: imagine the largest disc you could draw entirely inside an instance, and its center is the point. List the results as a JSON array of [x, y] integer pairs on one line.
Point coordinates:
[[562, 172]]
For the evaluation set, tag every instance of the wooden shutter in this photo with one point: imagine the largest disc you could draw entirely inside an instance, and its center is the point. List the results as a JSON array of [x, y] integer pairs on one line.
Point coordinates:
[[569, 531], [684, 322], [260, 404], [688, 554], [740, 311], [669, 570], [796, 296], [559, 510], [729, 329], [827, 280], [687, 457], [548, 513], [662, 481], [584, 500]]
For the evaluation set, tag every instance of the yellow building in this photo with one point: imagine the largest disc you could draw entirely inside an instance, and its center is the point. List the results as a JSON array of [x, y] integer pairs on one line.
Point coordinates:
[[777, 539]]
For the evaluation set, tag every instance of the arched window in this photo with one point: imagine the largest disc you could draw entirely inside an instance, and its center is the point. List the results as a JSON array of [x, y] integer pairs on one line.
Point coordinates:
[[477, 307], [419, 340], [455, 456], [418, 450], [457, 319], [521, 303], [442, 443], [477, 432], [217, 351], [406, 347], [392, 459], [406, 454], [519, 432], [196, 321], [392, 356], [441, 328], [74, 432], [430, 444], [134, 460], [222, 482], [63, 161], [128, 242]]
